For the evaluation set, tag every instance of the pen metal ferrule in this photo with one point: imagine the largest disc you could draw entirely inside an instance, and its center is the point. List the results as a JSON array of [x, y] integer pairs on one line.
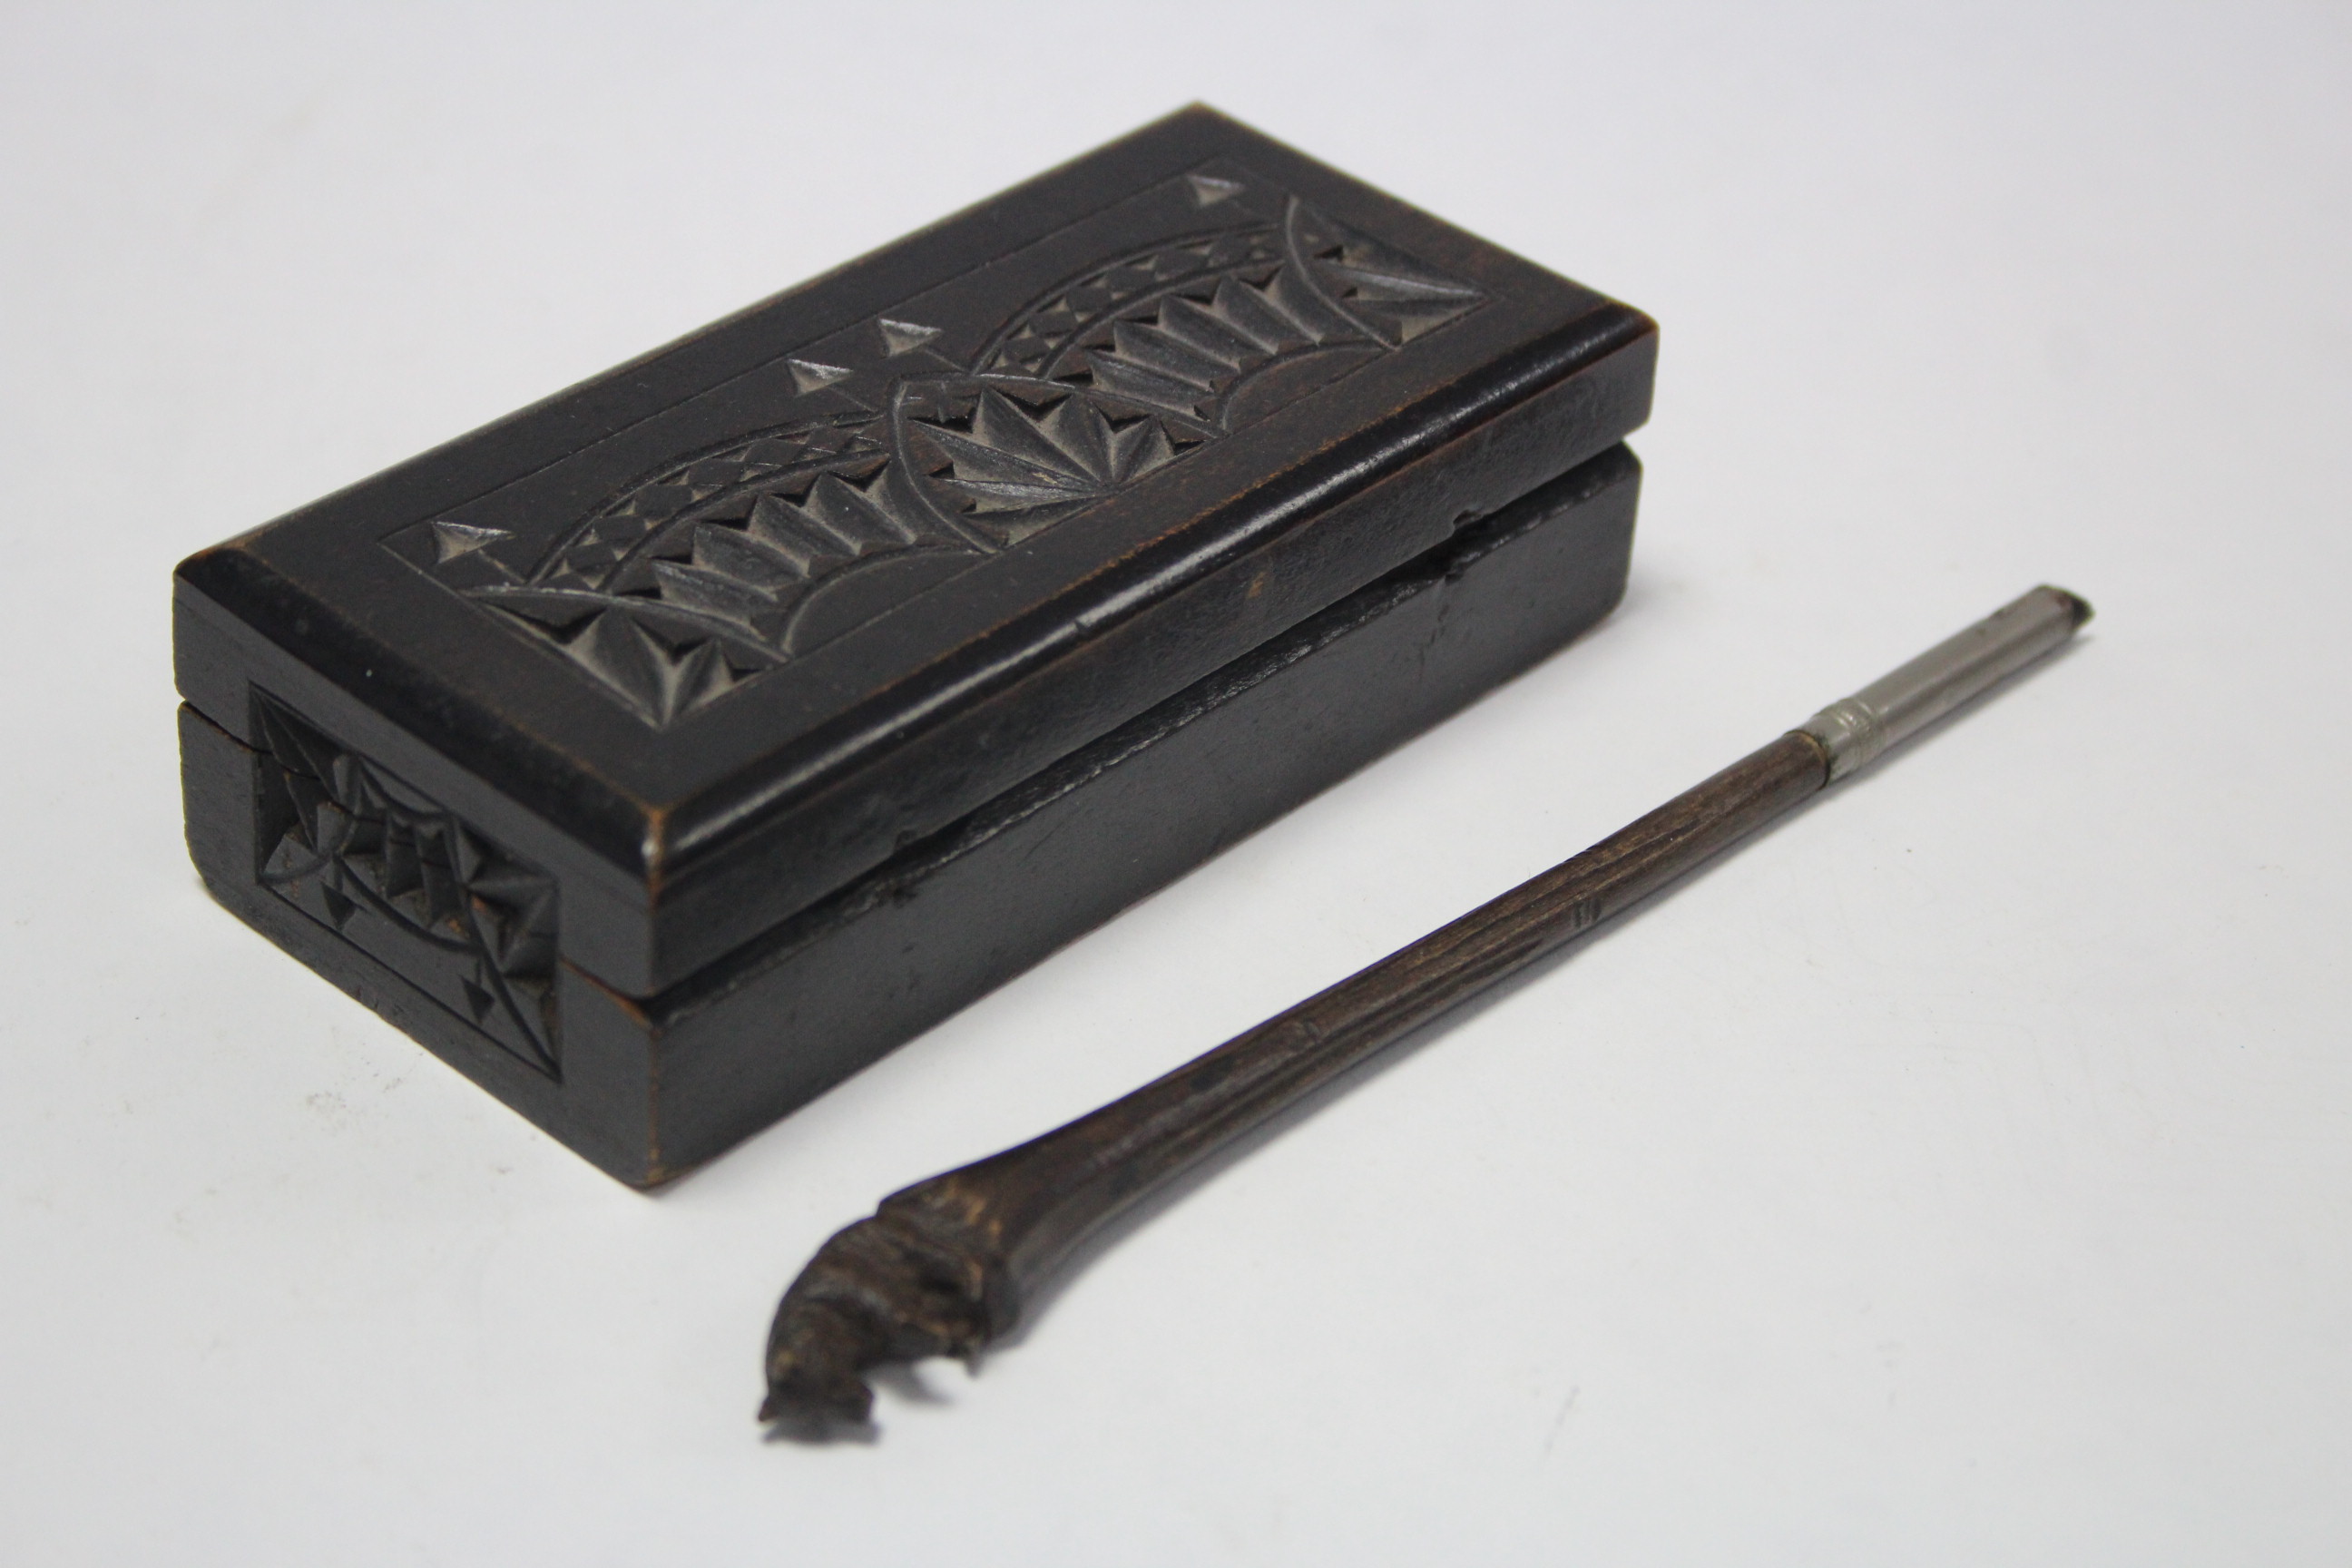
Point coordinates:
[[1899, 704]]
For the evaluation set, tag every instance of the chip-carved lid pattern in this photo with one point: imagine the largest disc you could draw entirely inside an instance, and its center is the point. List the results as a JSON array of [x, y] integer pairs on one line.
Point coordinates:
[[880, 479]]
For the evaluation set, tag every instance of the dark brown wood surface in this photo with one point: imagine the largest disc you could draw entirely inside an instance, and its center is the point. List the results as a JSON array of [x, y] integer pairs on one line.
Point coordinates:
[[709, 637], [597, 730]]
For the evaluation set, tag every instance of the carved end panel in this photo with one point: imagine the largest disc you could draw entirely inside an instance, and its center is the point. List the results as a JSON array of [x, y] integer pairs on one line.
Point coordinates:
[[448, 907]]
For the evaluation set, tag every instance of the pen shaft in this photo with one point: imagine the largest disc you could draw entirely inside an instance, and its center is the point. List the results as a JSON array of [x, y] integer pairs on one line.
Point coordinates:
[[1055, 1189], [945, 1266]]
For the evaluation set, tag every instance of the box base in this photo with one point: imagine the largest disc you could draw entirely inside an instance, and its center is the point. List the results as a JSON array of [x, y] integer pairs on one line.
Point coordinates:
[[646, 1089]]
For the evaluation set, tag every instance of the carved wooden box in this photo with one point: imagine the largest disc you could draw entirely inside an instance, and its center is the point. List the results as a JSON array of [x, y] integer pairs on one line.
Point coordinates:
[[665, 751]]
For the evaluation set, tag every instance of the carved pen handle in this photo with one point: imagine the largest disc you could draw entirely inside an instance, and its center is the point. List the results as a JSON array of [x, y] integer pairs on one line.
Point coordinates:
[[944, 1265]]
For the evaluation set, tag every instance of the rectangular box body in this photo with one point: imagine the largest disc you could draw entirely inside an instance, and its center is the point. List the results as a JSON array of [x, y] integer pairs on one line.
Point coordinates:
[[665, 753]]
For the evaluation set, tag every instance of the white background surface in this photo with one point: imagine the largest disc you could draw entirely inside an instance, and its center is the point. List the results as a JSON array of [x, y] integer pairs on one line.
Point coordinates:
[[1961, 1174]]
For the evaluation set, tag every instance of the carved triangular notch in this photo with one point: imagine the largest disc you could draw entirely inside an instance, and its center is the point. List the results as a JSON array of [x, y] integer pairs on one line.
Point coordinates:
[[810, 376], [903, 337], [1207, 190], [452, 540]]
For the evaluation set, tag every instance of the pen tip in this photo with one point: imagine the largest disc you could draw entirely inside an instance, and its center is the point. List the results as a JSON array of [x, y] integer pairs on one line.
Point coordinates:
[[2075, 602]]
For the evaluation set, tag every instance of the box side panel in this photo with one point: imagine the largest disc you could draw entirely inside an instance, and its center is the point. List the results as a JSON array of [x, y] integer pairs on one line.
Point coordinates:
[[362, 878], [647, 1090], [767, 1030]]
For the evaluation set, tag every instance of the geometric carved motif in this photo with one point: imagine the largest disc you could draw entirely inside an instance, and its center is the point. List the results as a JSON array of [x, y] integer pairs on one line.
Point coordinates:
[[736, 559], [449, 909]]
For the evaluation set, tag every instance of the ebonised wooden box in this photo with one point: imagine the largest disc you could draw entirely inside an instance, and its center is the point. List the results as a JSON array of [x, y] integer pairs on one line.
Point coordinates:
[[664, 753]]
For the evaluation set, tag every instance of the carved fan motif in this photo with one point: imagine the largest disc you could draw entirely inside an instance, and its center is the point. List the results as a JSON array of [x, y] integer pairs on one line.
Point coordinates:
[[735, 560], [354, 847]]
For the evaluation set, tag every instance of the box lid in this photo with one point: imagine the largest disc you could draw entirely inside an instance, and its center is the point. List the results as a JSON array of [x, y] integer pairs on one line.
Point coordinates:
[[725, 626]]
